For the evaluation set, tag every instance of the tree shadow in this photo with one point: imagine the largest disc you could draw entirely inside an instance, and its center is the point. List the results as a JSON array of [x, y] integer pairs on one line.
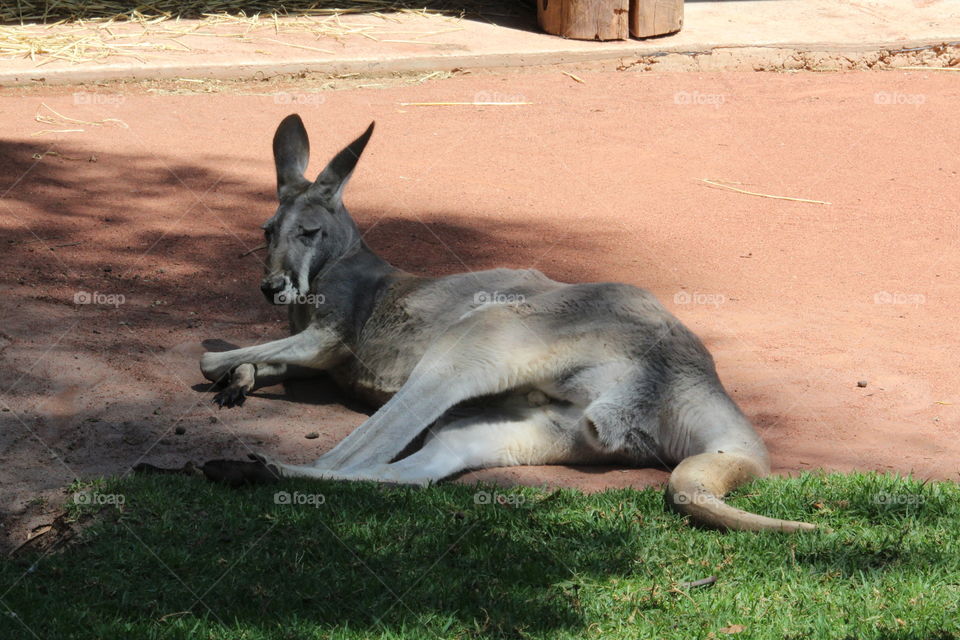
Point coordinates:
[[155, 244]]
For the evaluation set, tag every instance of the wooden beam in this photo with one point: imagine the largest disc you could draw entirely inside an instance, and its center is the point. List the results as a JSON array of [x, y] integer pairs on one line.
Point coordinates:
[[655, 17], [585, 19]]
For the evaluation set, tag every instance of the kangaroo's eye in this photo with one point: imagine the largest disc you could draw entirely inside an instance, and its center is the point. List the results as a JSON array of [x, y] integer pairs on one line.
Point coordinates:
[[309, 233]]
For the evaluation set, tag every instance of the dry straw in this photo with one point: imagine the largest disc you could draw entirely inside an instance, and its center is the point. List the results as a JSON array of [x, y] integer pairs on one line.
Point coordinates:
[[91, 30], [47, 115], [721, 184]]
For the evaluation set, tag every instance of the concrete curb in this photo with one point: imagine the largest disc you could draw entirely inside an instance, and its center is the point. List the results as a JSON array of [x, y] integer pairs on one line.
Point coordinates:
[[739, 58]]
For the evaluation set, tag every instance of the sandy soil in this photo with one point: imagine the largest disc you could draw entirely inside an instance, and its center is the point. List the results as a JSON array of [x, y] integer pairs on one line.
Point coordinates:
[[598, 180]]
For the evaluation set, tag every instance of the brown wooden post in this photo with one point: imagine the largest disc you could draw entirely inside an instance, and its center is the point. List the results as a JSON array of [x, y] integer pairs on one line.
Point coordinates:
[[655, 17], [585, 19]]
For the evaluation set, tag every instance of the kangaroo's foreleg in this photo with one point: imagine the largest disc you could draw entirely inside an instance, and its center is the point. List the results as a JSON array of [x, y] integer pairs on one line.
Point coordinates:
[[247, 377], [314, 348]]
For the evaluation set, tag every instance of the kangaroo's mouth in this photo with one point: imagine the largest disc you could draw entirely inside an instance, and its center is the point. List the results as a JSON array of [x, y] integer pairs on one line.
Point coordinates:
[[279, 290]]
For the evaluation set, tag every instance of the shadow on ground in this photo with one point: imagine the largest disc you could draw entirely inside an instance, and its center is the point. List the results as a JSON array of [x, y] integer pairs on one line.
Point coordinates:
[[118, 267]]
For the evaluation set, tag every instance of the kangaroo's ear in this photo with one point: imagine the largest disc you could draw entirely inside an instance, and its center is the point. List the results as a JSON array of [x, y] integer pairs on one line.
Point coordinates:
[[291, 152], [334, 177]]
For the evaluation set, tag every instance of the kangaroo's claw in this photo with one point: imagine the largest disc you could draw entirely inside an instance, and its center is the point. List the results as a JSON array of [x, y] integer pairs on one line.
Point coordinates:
[[232, 396]]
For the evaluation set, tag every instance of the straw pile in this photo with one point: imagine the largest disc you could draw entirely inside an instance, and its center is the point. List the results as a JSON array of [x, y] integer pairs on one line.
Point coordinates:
[[47, 11], [80, 30]]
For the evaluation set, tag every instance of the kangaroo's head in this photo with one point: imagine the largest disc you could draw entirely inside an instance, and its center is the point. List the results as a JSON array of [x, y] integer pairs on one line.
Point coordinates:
[[311, 227]]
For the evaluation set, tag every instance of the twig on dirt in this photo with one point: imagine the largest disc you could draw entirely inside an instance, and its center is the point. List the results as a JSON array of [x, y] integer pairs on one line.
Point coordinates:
[[761, 195], [39, 531], [298, 46], [43, 131], [580, 80], [40, 156], [68, 244], [704, 582], [66, 119], [463, 104], [246, 253]]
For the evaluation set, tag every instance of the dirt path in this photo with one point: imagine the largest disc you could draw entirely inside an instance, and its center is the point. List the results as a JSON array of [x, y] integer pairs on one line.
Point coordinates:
[[593, 181]]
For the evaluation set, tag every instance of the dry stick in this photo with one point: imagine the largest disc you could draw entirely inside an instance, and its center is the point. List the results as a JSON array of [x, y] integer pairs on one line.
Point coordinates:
[[66, 119], [761, 195], [468, 104], [298, 46], [246, 253], [930, 68], [43, 131], [697, 583], [41, 530], [580, 80]]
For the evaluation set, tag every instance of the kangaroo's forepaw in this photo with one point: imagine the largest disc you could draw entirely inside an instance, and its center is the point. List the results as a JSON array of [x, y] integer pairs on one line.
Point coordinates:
[[232, 396]]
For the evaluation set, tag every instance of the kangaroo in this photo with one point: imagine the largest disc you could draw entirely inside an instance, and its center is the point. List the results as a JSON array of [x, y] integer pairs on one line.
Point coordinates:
[[493, 368]]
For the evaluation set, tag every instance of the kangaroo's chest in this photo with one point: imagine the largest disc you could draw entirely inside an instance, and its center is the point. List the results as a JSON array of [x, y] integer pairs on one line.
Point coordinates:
[[415, 314]]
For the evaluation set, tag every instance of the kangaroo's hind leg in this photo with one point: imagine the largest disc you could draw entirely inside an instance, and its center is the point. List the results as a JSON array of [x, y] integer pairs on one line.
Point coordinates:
[[485, 353], [512, 434]]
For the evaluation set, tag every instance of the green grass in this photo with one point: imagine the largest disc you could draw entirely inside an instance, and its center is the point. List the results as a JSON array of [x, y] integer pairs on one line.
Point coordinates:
[[186, 559]]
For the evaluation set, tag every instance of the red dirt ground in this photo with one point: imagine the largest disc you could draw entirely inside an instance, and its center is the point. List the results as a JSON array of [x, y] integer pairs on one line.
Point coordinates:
[[594, 181]]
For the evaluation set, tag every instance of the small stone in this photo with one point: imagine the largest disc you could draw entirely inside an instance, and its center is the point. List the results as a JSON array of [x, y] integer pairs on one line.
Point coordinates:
[[213, 420], [861, 383], [180, 430], [312, 435]]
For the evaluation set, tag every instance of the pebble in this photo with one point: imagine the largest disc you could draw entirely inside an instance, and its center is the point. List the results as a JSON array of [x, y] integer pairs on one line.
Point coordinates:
[[861, 383], [312, 435], [180, 430]]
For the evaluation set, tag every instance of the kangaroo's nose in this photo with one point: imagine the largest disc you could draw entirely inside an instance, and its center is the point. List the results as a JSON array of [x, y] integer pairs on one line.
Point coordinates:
[[272, 284]]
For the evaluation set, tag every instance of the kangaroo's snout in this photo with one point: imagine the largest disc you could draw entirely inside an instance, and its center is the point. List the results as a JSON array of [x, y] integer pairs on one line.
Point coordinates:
[[273, 285]]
